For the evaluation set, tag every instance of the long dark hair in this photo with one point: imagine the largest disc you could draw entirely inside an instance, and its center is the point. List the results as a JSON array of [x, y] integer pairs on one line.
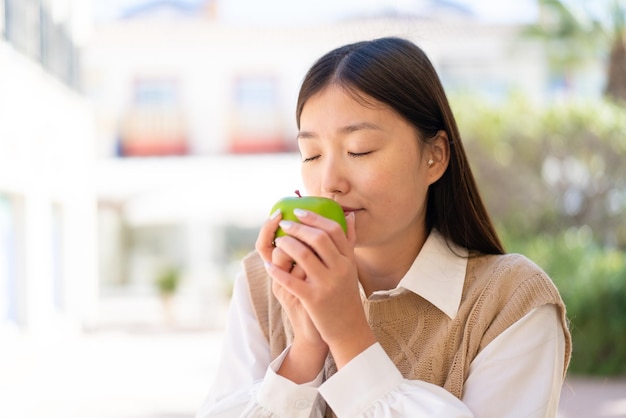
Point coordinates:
[[396, 72]]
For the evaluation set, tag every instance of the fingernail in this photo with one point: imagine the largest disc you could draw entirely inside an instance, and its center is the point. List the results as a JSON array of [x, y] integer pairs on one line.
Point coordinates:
[[300, 213], [267, 264], [285, 224], [276, 240], [275, 214]]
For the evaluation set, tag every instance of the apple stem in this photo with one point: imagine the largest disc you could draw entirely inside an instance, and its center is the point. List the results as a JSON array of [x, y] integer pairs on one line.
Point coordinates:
[[298, 193]]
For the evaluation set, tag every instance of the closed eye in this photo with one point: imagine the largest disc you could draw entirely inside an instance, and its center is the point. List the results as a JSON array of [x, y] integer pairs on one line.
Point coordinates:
[[359, 154], [351, 154], [308, 159]]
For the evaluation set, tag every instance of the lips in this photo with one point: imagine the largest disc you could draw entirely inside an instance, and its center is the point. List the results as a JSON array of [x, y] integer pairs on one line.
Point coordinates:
[[347, 210]]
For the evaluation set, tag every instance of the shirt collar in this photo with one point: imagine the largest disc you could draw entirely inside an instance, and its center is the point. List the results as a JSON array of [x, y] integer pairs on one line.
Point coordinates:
[[437, 274]]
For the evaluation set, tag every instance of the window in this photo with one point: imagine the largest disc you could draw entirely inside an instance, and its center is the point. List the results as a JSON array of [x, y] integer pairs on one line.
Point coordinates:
[[255, 123], [154, 124]]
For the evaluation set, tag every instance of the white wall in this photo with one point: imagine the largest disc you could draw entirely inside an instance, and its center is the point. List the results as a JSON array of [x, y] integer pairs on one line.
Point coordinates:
[[46, 168]]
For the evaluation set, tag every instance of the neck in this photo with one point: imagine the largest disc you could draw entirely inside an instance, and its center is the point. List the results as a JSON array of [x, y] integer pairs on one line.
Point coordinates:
[[382, 267]]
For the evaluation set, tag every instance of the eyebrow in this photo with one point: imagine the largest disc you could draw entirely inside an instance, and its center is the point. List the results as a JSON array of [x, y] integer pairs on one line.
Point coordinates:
[[345, 130]]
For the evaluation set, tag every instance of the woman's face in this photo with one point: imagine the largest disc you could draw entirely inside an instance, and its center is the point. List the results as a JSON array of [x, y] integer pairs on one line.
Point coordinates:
[[368, 159]]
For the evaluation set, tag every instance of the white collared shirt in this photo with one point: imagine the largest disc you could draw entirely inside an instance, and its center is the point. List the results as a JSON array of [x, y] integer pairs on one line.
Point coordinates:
[[519, 374]]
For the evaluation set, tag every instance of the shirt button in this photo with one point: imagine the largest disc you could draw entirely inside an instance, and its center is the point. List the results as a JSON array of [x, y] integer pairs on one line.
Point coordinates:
[[302, 404]]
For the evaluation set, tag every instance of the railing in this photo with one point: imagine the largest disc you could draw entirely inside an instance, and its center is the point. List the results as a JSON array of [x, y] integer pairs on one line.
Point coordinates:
[[29, 26]]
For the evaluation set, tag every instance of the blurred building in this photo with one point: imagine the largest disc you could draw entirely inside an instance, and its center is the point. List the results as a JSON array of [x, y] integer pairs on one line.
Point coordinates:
[[158, 141], [48, 274], [195, 126], [172, 79]]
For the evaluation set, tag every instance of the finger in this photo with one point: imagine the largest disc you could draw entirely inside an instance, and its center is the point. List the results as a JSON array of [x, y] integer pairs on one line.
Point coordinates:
[[301, 253], [284, 297], [284, 261], [325, 238], [332, 228], [280, 292], [298, 271], [280, 258], [288, 282], [265, 240]]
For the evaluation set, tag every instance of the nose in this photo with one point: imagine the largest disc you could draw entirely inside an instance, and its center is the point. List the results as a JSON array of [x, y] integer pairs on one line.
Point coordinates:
[[334, 180]]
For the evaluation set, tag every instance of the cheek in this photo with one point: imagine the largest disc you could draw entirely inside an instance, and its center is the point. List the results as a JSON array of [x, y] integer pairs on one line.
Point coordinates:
[[397, 175], [402, 184]]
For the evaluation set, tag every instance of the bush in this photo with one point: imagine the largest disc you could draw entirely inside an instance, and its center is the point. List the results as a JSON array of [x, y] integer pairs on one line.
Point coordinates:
[[168, 281], [554, 181], [549, 169], [592, 282]]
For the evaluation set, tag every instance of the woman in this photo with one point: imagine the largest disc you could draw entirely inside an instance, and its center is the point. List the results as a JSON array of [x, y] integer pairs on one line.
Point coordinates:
[[416, 311]]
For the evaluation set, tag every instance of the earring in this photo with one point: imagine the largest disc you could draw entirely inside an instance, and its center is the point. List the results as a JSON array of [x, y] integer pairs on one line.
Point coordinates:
[[430, 162]]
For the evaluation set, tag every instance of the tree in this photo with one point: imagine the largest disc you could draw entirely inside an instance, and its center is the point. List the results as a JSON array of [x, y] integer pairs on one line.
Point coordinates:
[[547, 170], [574, 31], [616, 80]]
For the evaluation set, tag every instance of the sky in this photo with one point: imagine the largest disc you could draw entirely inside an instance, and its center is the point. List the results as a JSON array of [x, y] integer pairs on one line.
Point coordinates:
[[290, 12]]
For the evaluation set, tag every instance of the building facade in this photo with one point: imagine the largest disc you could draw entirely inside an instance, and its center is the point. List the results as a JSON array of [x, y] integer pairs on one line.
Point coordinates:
[[47, 202], [160, 140], [196, 129]]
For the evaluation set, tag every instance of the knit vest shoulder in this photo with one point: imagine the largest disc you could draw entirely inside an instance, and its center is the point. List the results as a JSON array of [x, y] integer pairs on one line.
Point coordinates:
[[422, 341]]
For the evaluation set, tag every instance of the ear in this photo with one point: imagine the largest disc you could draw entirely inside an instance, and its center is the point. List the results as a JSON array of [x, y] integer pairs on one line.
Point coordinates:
[[437, 151]]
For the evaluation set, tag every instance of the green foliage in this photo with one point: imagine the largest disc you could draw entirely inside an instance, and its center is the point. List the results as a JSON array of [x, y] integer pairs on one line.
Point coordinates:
[[592, 282], [575, 32], [555, 184], [168, 281], [546, 170], [571, 33]]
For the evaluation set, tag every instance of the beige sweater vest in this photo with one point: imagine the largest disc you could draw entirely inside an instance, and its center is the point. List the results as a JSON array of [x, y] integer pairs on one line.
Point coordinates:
[[422, 341]]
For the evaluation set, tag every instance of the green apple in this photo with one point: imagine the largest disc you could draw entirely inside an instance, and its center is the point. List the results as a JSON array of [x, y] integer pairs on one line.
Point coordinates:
[[324, 206]]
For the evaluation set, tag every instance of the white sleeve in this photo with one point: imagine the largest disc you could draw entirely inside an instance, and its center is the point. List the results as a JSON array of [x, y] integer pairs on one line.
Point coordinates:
[[246, 383], [244, 359], [280, 397], [370, 385], [519, 374]]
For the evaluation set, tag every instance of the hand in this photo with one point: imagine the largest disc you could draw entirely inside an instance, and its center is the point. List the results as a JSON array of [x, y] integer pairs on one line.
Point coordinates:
[[329, 290], [271, 254], [265, 240], [308, 352], [303, 327]]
